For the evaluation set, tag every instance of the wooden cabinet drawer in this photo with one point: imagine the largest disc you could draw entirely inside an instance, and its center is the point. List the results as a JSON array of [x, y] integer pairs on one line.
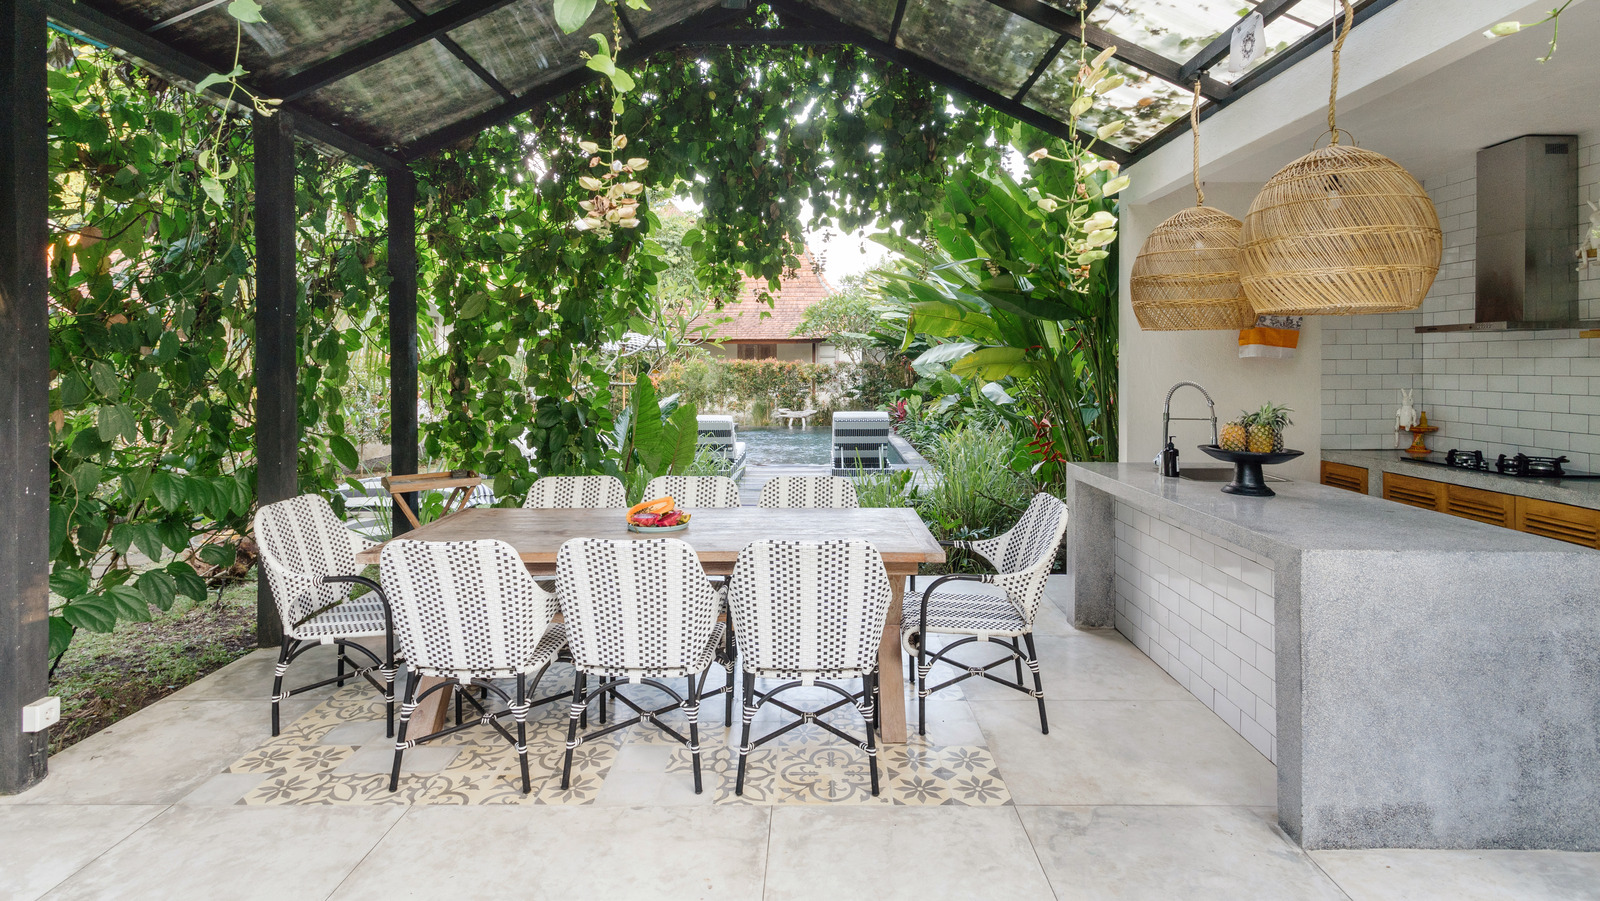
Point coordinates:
[[1563, 522], [1343, 475], [1491, 507], [1424, 493]]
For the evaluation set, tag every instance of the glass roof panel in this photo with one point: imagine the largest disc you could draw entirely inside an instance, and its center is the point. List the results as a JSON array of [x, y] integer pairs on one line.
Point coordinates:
[[1176, 29], [1284, 32], [1147, 102], [976, 39], [663, 14], [295, 35], [521, 45], [875, 17], [404, 97]]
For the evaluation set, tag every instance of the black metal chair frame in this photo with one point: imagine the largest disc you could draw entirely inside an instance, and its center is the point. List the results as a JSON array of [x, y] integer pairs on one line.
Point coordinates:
[[925, 659], [578, 717], [517, 707], [292, 648], [870, 718]]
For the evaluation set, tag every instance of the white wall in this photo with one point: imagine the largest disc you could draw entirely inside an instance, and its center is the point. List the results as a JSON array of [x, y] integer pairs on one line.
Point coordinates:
[[1153, 361]]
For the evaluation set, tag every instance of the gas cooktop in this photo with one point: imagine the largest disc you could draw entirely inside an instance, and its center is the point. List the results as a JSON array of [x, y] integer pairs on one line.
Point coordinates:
[[1519, 466]]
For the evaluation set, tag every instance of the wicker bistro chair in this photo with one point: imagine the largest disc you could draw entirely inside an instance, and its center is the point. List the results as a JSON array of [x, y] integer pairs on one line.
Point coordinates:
[[810, 613], [467, 612], [815, 492], [310, 561], [591, 492], [695, 491], [637, 612], [1022, 559]]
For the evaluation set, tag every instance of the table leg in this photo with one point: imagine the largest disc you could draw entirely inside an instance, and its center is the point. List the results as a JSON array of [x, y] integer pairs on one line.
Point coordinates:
[[891, 669], [432, 714]]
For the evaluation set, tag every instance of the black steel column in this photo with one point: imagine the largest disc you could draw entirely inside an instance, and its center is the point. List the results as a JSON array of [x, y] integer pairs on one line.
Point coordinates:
[[24, 392], [277, 356], [402, 215]]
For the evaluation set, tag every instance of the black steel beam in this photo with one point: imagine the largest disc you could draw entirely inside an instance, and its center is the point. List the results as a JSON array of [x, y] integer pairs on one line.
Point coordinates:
[[456, 50], [1260, 75], [1044, 64], [93, 23], [24, 391], [662, 40], [1222, 44], [277, 360], [894, 27], [401, 194], [373, 52]]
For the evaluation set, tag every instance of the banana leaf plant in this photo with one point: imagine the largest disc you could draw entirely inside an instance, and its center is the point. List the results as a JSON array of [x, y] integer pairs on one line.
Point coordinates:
[[655, 437], [1017, 283]]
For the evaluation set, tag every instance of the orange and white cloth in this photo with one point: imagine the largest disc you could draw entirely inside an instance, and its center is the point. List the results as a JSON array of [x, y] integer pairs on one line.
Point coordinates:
[[1272, 337]]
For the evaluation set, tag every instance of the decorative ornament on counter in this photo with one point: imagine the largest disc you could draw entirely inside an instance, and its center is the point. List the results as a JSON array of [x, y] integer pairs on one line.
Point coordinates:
[[1589, 250], [1340, 231], [1419, 446], [1187, 273], [1405, 417]]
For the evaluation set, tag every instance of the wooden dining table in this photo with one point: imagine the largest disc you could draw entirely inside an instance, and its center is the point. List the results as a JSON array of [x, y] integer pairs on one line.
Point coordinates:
[[717, 536]]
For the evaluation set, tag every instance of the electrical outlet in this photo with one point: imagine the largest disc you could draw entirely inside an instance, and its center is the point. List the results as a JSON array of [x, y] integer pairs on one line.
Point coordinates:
[[41, 714]]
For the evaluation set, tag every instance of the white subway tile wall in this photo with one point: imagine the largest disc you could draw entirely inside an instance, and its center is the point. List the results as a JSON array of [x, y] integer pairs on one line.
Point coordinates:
[[1502, 392], [1202, 609]]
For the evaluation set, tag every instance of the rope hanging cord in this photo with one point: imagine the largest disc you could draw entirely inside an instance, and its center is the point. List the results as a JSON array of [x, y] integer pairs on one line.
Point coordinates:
[[1338, 47], [1194, 126]]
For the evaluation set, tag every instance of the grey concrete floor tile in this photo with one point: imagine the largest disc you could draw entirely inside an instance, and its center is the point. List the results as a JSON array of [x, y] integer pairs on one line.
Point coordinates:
[[1464, 875], [41, 846], [1123, 752], [235, 853], [1092, 666], [901, 852], [223, 789], [159, 754], [593, 853], [250, 677], [1159, 853]]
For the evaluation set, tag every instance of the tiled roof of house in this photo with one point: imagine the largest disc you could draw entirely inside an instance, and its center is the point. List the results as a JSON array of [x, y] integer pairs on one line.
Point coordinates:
[[795, 293]]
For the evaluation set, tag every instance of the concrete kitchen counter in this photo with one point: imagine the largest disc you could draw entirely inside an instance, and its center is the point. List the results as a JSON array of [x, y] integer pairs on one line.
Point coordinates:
[[1419, 680], [1577, 492]]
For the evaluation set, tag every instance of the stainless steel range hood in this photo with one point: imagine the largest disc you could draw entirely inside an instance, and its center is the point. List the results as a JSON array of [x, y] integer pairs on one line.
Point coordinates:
[[1527, 234]]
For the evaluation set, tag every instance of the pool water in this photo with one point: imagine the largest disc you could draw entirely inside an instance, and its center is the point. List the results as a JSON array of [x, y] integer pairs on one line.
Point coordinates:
[[791, 446]]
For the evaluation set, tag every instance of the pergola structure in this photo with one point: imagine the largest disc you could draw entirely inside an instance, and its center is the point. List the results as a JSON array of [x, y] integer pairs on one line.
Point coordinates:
[[389, 81]]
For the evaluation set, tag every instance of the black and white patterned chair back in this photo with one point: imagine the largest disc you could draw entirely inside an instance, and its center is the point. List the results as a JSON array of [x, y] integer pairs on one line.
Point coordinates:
[[555, 492], [804, 608], [463, 607], [1022, 557], [817, 492], [301, 540], [634, 608], [695, 491]]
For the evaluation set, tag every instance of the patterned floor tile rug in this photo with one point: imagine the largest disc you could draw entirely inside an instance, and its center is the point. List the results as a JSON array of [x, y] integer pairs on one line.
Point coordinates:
[[337, 754]]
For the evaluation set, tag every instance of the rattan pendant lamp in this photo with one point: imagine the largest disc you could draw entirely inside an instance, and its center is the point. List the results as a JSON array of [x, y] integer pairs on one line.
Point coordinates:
[[1187, 273], [1340, 231]]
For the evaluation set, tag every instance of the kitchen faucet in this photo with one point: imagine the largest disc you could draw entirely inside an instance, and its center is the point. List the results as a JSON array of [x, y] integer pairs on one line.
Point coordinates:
[[1169, 454]]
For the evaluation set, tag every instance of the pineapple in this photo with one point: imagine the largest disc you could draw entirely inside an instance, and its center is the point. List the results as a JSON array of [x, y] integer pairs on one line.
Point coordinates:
[[1235, 435], [1266, 428]]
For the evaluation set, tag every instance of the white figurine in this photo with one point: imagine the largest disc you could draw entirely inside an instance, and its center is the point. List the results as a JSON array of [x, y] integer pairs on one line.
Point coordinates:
[[1591, 240], [1405, 417]]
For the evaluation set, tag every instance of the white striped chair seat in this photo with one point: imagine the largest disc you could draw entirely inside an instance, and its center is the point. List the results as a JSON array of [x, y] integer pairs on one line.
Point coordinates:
[[637, 609], [809, 609], [300, 542], [468, 609], [962, 612], [695, 491], [594, 492], [816, 492]]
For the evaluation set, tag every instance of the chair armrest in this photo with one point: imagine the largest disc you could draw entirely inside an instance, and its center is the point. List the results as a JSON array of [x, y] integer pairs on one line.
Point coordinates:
[[952, 577]]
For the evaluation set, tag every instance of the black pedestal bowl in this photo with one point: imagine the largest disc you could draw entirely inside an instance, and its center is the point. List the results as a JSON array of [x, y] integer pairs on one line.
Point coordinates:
[[1247, 478]]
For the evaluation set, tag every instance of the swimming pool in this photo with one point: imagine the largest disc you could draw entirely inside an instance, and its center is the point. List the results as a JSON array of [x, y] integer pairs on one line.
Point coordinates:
[[792, 446]]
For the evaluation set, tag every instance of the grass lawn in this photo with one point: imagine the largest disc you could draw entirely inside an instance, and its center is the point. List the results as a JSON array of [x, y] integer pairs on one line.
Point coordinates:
[[105, 677]]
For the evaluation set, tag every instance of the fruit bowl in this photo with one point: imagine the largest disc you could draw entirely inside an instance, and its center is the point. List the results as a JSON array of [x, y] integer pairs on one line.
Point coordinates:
[[1247, 478], [658, 515]]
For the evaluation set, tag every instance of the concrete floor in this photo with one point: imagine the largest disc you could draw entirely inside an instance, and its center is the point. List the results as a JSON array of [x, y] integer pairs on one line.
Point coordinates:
[[1138, 792]]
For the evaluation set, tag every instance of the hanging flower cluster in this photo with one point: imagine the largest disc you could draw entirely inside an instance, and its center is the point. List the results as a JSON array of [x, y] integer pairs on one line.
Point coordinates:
[[615, 203]]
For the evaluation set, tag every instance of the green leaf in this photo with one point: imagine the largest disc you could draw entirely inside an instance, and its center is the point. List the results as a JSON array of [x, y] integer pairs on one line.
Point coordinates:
[[69, 583], [245, 11], [344, 452], [115, 420], [213, 189], [947, 320], [145, 384], [105, 379], [993, 363], [218, 555], [95, 613], [168, 491], [128, 603], [86, 478], [216, 78], [61, 633], [188, 582], [571, 14], [158, 588], [60, 526], [148, 540], [474, 306], [74, 390]]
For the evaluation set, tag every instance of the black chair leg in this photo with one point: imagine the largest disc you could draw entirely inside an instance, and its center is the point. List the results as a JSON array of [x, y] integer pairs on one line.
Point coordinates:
[[277, 680], [1038, 686], [1017, 660], [922, 684], [522, 729], [872, 737], [580, 707], [412, 681], [744, 740], [694, 729], [343, 661]]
